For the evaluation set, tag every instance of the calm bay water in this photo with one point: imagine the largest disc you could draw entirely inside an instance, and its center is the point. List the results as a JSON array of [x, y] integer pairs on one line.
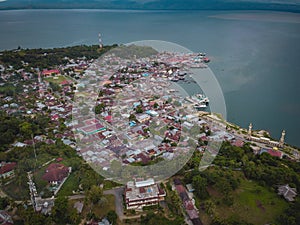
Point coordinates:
[[255, 55]]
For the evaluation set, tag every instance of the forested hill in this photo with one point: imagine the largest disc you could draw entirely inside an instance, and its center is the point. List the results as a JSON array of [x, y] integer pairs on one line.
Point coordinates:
[[280, 5]]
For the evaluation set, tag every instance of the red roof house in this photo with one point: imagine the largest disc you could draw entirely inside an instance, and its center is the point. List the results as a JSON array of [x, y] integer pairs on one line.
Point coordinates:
[[108, 118], [7, 169], [50, 72], [238, 143], [56, 173], [55, 117], [180, 188], [275, 153]]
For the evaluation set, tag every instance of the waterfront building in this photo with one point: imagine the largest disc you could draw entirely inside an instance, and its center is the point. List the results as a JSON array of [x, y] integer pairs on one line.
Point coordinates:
[[266, 140]]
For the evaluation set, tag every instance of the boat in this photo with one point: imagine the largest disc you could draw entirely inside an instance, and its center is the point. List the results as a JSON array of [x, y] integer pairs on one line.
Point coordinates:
[[202, 98], [206, 59], [200, 106], [174, 79], [199, 101]]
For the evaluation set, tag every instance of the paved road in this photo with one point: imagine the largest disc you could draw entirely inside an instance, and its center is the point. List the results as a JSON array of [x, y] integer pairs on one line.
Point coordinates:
[[118, 193], [73, 197], [235, 133]]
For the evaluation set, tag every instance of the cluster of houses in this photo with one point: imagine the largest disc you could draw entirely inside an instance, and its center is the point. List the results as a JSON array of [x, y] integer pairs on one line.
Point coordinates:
[[187, 201], [126, 121], [142, 119], [39, 99]]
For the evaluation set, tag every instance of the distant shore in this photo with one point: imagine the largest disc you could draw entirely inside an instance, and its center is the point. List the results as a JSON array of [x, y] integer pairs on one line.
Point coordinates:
[[165, 5]]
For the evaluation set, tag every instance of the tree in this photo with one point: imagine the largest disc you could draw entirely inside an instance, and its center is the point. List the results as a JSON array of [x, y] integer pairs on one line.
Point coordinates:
[[3, 156], [26, 129], [139, 109], [3, 203], [223, 185], [132, 117], [60, 210], [95, 194], [29, 217], [210, 207], [55, 87], [99, 108], [200, 184], [112, 216]]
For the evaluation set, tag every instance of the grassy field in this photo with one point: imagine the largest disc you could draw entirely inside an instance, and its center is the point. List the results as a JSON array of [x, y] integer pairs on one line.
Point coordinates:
[[57, 79], [16, 191], [98, 210], [252, 203], [107, 185], [70, 184], [110, 205], [251, 199]]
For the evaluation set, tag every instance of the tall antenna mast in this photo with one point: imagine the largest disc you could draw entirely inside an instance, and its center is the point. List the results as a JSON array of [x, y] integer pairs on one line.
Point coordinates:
[[100, 41]]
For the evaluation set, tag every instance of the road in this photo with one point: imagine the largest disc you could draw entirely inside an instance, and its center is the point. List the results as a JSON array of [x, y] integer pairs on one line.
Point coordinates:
[[74, 197], [118, 193], [233, 132]]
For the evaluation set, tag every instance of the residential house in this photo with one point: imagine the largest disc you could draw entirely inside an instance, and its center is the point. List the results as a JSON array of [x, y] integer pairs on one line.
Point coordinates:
[[56, 173], [50, 72], [287, 192], [7, 169]]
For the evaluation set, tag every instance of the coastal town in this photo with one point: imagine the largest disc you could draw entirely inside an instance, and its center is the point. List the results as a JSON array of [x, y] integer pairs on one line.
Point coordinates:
[[122, 114]]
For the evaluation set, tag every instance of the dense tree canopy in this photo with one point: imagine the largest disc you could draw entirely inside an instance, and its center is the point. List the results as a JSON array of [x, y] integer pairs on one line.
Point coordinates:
[[47, 58]]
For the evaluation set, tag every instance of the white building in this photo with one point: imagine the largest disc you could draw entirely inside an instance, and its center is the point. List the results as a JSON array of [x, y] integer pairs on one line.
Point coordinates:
[[143, 193]]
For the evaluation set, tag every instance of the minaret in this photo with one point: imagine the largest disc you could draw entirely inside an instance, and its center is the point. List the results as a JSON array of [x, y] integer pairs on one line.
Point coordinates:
[[250, 131], [281, 141]]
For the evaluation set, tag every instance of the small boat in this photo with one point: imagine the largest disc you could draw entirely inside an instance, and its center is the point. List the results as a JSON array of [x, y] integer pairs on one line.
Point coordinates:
[[200, 106], [206, 59], [174, 79], [202, 98]]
